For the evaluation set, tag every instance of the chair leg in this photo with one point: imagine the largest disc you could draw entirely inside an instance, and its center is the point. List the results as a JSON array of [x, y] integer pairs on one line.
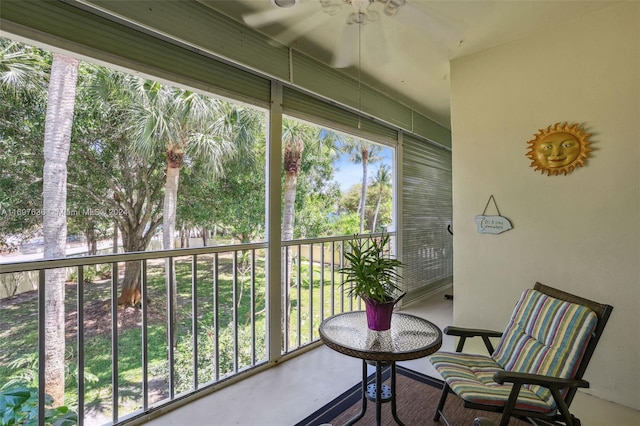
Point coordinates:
[[443, 398], [568, 418], [510, 405]]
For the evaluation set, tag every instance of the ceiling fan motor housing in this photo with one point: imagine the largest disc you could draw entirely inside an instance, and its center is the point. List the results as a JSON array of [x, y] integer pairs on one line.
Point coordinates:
[[391, 7], [359, 4], [284, 3]]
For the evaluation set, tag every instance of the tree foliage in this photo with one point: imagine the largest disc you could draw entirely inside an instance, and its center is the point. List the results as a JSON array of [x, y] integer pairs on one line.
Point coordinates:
[[24, 77], [128, 129], [235, 202], [133, 140]]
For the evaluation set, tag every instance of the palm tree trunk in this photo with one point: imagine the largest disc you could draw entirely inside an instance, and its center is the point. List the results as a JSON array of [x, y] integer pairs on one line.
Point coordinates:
[[288, 217], [375, 216], [168, 235], [363, 195], [288, 213], [288, 220], [57, 139], [169, 207]]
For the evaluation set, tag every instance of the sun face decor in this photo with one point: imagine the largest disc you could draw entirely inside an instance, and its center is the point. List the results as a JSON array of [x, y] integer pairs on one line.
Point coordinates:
[[560, 148]]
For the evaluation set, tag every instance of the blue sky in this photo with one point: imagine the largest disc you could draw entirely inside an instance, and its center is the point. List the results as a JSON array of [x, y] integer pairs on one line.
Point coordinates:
[[348, 174]]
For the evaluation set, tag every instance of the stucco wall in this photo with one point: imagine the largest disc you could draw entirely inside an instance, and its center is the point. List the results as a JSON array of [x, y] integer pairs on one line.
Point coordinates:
[[579, 232]]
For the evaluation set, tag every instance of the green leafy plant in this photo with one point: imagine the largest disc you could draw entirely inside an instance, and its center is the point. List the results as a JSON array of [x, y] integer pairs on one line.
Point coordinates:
[[92, 273], [370, 271], [19, 406]]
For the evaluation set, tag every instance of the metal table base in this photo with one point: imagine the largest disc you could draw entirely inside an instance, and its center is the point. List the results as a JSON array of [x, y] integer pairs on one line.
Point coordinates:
[[378, 392], [409, 337]]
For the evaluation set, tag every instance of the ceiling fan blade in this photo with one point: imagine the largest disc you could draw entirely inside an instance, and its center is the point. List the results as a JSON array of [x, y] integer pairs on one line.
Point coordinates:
[[291, 33], [272, 15], [346, 51]]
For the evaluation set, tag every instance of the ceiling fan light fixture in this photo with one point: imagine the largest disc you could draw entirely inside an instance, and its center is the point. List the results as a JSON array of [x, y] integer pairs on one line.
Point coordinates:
[[284, 4], [392, 7], [359, 4]]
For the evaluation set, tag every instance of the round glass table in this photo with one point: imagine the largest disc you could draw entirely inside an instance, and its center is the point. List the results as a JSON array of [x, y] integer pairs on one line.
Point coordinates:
[[410, 337]]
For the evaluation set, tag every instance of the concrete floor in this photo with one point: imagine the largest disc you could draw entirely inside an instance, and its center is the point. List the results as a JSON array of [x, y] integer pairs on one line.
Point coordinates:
[[289, 392]]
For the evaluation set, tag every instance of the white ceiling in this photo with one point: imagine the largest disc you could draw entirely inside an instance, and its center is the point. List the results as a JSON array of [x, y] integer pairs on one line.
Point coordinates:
[[407, 55]]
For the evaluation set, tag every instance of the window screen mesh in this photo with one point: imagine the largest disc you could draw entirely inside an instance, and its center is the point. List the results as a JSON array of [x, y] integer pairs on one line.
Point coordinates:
[[427, 245]]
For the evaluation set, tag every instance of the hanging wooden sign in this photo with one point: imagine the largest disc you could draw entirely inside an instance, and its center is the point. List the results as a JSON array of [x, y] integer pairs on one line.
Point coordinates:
[[492, 224]]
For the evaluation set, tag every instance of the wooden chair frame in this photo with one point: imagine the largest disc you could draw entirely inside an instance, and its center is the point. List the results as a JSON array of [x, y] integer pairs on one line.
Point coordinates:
[[554, 384]]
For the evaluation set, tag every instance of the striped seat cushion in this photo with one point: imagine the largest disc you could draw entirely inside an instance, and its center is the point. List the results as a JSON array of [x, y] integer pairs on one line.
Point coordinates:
[[470, 376], [544, 336]]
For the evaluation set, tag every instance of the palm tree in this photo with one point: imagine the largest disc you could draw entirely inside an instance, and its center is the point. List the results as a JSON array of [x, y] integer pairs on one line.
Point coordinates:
[[382, 180], [296, 138], [57, 139], [23, 76], [22, 68], [185, 124], [179, 125], [365, 153]]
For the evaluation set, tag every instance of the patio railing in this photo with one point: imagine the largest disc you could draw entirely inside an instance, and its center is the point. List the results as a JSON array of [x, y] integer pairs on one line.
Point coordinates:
[[202, 322]]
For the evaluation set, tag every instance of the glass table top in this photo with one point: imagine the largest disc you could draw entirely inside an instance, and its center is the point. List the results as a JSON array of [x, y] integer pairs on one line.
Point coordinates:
[[410, 337]]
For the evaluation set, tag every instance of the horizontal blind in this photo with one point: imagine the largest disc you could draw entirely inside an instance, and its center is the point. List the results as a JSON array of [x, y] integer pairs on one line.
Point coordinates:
[[189, 43], [304, 106], [64, 26], [427, 246], [342, 89]]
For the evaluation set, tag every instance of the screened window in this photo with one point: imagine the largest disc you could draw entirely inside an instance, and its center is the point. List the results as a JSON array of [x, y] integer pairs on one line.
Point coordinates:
[[427, 244], [333, 183]]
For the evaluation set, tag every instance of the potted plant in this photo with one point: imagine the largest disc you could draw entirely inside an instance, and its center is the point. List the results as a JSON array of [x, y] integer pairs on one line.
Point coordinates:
[[373, 277]]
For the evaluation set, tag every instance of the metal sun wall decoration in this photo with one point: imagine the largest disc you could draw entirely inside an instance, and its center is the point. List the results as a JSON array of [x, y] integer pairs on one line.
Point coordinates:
[[559, 149]]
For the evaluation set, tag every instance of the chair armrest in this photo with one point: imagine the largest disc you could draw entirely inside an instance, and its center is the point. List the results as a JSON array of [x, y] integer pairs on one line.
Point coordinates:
[[554, 384], [470, 332], [463, 333], [549, 382]]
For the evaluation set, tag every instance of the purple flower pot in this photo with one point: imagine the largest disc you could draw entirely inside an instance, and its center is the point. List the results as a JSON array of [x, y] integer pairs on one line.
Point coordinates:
[[379, 314]]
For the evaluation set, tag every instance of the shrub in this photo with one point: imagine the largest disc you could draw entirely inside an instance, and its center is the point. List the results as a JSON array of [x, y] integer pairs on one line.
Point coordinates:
[[19, 406]]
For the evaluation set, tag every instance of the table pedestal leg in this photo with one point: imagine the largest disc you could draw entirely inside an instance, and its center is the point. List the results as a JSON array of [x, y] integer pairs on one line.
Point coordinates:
[[393, 394], [379, 393], [364, 396]]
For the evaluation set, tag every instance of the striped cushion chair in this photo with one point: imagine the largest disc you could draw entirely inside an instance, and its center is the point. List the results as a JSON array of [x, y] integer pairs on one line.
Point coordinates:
[[538, 363]]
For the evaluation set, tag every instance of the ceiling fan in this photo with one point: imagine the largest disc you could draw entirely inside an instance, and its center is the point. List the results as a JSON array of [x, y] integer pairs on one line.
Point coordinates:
[[363, 24]]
